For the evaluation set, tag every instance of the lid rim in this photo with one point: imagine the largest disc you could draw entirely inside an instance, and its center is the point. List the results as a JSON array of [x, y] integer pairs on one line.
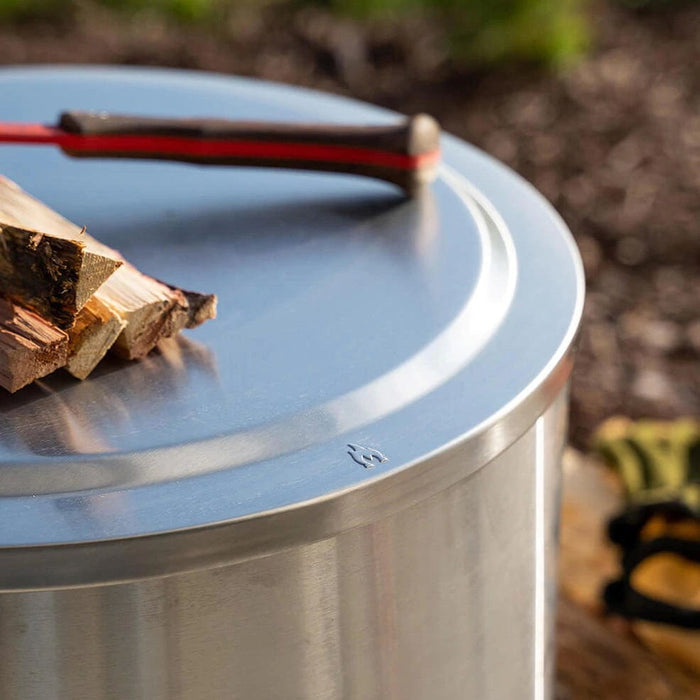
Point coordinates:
[[156, 555]]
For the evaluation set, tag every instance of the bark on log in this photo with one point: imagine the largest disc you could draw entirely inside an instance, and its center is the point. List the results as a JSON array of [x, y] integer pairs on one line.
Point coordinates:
[[200, 307], [30, 347], [149, 310], [47, 263], [152, 310]]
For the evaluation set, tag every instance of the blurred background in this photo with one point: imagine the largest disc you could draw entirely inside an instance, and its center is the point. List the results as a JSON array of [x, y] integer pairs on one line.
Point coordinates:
[[596, 102]]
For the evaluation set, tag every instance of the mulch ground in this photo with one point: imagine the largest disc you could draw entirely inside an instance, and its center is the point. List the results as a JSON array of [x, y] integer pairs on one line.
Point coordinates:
[[613, 142]]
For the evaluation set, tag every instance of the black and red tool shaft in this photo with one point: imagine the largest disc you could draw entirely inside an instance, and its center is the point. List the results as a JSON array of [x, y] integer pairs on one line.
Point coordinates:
[[405, 154]]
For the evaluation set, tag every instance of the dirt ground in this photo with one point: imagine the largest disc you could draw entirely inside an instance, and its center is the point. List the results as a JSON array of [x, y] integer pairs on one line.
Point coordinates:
[[613, 142]]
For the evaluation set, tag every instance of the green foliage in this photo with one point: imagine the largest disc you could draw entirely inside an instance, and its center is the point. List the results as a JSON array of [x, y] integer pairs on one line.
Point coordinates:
[[26, 9], [486, 31], [652, 4], [184, 10], [479, 31], [540, 30]]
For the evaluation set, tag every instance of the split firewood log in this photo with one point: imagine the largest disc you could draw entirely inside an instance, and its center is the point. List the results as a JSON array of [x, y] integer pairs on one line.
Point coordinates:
[[47, 263], [30, 347]]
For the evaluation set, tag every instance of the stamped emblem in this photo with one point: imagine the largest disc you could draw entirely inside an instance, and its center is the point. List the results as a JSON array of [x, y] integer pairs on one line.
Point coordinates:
[[366, 456]]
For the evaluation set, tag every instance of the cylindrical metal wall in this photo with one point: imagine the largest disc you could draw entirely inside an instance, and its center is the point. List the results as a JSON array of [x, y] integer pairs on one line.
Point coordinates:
[[450, 598]]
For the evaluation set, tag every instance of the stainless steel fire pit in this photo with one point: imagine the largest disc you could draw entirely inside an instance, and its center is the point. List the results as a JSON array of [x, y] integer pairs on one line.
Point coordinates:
[[346, 486]]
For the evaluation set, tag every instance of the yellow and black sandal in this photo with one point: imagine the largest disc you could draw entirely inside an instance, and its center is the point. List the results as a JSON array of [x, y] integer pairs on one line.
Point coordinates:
[[658, 533]]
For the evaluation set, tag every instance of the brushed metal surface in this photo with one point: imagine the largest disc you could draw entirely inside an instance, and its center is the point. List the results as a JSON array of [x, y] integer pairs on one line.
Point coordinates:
[[436, 602]]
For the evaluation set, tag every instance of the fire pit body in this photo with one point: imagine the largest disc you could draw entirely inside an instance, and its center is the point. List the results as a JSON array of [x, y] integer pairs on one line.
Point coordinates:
[[344, 487]]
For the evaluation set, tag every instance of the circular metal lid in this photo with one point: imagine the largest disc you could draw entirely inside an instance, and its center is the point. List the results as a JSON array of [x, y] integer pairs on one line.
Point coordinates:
[[358, 332]]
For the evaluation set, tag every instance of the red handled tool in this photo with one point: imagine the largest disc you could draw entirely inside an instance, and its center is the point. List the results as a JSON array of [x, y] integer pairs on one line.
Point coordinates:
[[405, 154]]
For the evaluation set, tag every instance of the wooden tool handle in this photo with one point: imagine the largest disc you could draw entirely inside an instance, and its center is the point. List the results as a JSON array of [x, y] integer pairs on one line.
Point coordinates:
[[405, 154]]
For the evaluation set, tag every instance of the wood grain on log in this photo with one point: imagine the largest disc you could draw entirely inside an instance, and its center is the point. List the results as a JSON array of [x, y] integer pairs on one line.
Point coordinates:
[[47, 263], [30, 347], [95, 330], [150, 311]]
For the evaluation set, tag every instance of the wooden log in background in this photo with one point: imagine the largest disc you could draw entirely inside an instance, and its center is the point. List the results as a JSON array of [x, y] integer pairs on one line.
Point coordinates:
[[601, 660], [599, 657]]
